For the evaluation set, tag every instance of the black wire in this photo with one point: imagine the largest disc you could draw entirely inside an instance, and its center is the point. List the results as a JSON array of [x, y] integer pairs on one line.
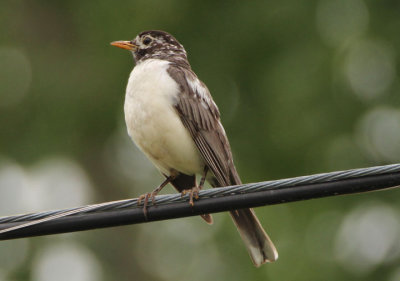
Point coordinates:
[[127, 216]]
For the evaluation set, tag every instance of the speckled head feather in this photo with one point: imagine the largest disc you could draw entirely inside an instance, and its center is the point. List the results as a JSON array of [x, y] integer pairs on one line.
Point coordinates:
[[157, 44]]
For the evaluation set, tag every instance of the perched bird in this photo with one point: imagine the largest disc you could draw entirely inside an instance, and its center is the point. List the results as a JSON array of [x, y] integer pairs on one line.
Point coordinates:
[[172, 118]]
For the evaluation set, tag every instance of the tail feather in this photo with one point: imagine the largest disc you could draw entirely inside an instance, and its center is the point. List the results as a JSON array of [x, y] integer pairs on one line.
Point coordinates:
[[258, 244], [208, 218]]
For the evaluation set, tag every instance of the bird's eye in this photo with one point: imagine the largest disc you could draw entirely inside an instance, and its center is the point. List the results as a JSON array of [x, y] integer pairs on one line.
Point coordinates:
[[147, 40]]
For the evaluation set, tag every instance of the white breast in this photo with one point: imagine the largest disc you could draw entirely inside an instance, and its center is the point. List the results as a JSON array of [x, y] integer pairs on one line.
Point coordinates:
[[152, 122]]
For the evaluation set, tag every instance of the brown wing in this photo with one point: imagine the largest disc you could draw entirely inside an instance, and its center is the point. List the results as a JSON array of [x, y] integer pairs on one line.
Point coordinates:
[[200, 116]]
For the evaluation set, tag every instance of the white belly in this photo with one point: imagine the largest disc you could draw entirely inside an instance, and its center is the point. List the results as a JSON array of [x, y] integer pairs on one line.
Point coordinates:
[[153, 123]]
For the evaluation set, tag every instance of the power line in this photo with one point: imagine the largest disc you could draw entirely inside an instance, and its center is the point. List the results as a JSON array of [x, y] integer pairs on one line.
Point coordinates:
[[214, 200]]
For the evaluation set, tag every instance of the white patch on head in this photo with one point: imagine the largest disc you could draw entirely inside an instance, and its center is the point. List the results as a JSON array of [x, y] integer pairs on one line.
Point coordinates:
[[159, 47], [139, 41]]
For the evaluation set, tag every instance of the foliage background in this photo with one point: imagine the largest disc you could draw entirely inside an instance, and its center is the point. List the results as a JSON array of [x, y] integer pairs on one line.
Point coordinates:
[[303, 87]]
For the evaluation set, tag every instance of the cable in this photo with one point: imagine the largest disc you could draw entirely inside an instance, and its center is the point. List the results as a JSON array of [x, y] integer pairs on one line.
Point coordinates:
[[124, 212]]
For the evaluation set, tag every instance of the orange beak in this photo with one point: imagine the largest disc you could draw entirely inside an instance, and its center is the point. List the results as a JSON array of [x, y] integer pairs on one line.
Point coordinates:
[[127, 45]]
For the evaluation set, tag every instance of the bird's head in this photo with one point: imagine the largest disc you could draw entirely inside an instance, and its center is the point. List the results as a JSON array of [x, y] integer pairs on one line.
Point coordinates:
[[153, 44]]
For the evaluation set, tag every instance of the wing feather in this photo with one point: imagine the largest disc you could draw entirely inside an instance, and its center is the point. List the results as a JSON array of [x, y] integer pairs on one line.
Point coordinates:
[[201, 117]]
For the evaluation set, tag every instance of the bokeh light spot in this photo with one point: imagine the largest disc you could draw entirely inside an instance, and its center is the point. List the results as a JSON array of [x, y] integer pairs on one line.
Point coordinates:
[[13, 188], [370, 68], [65, 262], [187, 242], [379, 133], [59, 183], [368, 237], [53, 183]]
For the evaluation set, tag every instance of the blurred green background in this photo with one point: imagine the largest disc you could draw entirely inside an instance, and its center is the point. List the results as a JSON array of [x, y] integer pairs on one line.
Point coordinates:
[[303, 87]]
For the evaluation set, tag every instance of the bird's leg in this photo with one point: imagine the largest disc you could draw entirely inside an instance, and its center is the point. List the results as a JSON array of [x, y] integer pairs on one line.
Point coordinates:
[[152, 194], [194, 192], [203, 178]]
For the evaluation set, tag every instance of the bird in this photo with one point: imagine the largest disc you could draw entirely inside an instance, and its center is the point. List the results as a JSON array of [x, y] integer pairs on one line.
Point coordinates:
[[172, 118]]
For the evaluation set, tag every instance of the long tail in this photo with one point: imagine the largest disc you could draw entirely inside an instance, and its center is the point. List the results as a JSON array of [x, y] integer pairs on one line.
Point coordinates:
[[257, 242]]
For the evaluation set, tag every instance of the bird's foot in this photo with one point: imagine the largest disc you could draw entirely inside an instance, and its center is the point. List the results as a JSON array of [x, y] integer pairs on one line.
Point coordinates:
[[146, 197], [152, 195], [193, 193]]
